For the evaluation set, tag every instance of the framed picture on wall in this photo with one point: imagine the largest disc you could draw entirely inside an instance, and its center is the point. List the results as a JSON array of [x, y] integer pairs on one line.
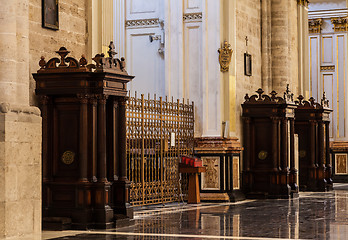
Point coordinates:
[[50, 18], [247, 64]]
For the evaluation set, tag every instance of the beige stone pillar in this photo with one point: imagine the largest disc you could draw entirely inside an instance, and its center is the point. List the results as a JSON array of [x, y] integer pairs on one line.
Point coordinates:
[[94, 16], [303, 51], [100, 16], [20, 128], [284, 45], [266, 51]]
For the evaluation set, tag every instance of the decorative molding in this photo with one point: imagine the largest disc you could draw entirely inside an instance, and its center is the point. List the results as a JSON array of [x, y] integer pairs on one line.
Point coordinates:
[[70, 64], [6, 108], [340, 24], [327, 68], [142, 22], [261, 98], [192, 16], [211, 178], [326, 14], [315, 25], [236, 173], [303, 2], [341, 164]]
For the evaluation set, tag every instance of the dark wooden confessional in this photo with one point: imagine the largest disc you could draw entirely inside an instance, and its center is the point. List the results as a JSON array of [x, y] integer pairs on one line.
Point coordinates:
[[312, 125], [269, 157], [84, 139]]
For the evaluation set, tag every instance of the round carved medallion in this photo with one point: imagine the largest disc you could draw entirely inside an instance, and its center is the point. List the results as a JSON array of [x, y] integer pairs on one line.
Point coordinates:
[[68, 157], [262, 155], [303, 153]]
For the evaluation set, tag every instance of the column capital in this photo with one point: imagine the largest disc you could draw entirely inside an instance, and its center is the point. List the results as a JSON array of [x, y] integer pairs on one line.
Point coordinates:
[[315, 25], [340, 24], [303, 2]]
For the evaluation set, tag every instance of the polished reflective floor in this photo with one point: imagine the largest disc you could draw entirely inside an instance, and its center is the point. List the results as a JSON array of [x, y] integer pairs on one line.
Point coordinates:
[[311, 216]]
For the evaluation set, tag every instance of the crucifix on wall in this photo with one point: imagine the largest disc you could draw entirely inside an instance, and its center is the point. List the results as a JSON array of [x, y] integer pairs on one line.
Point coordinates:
[[247, 60]]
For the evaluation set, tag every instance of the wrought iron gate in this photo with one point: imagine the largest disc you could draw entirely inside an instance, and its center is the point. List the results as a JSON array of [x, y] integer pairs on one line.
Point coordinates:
[[158, 132]]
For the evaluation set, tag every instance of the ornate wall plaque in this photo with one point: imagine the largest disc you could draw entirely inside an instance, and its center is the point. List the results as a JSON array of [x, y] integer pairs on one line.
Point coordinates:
[[211, 178], [236, 178], [50, 17], [341, 167], [225, 54], [68, 157]]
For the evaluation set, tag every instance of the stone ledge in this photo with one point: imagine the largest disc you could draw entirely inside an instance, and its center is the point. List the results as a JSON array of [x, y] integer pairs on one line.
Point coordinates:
[[217, 144], [339, 146], [7, 107]]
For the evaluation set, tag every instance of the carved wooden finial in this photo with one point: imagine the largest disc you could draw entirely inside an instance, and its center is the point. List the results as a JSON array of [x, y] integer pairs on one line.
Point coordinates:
[[312, 101], [273, 95], [99, 59], [83, 61], [324, 100], [63, 52], [260, 91], [288, 96], [247, 98], [42, 62], [300, 98], [112, 51], [123, 63]]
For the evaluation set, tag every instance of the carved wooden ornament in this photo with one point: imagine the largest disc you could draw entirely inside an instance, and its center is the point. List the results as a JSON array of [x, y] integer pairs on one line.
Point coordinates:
[[225, 54]]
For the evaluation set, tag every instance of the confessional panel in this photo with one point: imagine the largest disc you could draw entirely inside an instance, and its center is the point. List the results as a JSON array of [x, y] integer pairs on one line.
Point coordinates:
[[304, 147], [262, 129], [66, 141]]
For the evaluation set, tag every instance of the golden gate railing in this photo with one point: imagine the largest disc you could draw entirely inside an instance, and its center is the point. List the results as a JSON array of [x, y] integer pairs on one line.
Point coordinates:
[[158, 132]]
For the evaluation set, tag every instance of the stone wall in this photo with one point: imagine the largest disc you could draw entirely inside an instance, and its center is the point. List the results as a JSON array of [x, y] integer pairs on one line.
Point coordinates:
[[20, 171], [248, 24], [23, 41], [20, 128], [72, 34]]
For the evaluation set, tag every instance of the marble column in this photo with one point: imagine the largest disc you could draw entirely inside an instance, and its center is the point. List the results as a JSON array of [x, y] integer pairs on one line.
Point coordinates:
[[20, 128]]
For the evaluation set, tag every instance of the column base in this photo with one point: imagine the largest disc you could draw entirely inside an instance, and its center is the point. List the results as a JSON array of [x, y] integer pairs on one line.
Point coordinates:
[[293, 181], [311, 184], [285, 189], [121, 205], [56, 223], [321, 181], [21, 171]]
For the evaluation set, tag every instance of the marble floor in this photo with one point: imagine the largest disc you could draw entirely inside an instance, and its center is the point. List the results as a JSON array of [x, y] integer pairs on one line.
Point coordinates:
[[311, 216]]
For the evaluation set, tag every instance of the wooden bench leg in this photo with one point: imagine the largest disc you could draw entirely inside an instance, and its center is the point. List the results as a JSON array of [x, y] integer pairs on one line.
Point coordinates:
[[193, 189]]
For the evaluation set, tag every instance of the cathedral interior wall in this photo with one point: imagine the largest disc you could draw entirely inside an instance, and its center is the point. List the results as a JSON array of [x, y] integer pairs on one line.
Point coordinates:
[[72, 34], [248, 20]]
